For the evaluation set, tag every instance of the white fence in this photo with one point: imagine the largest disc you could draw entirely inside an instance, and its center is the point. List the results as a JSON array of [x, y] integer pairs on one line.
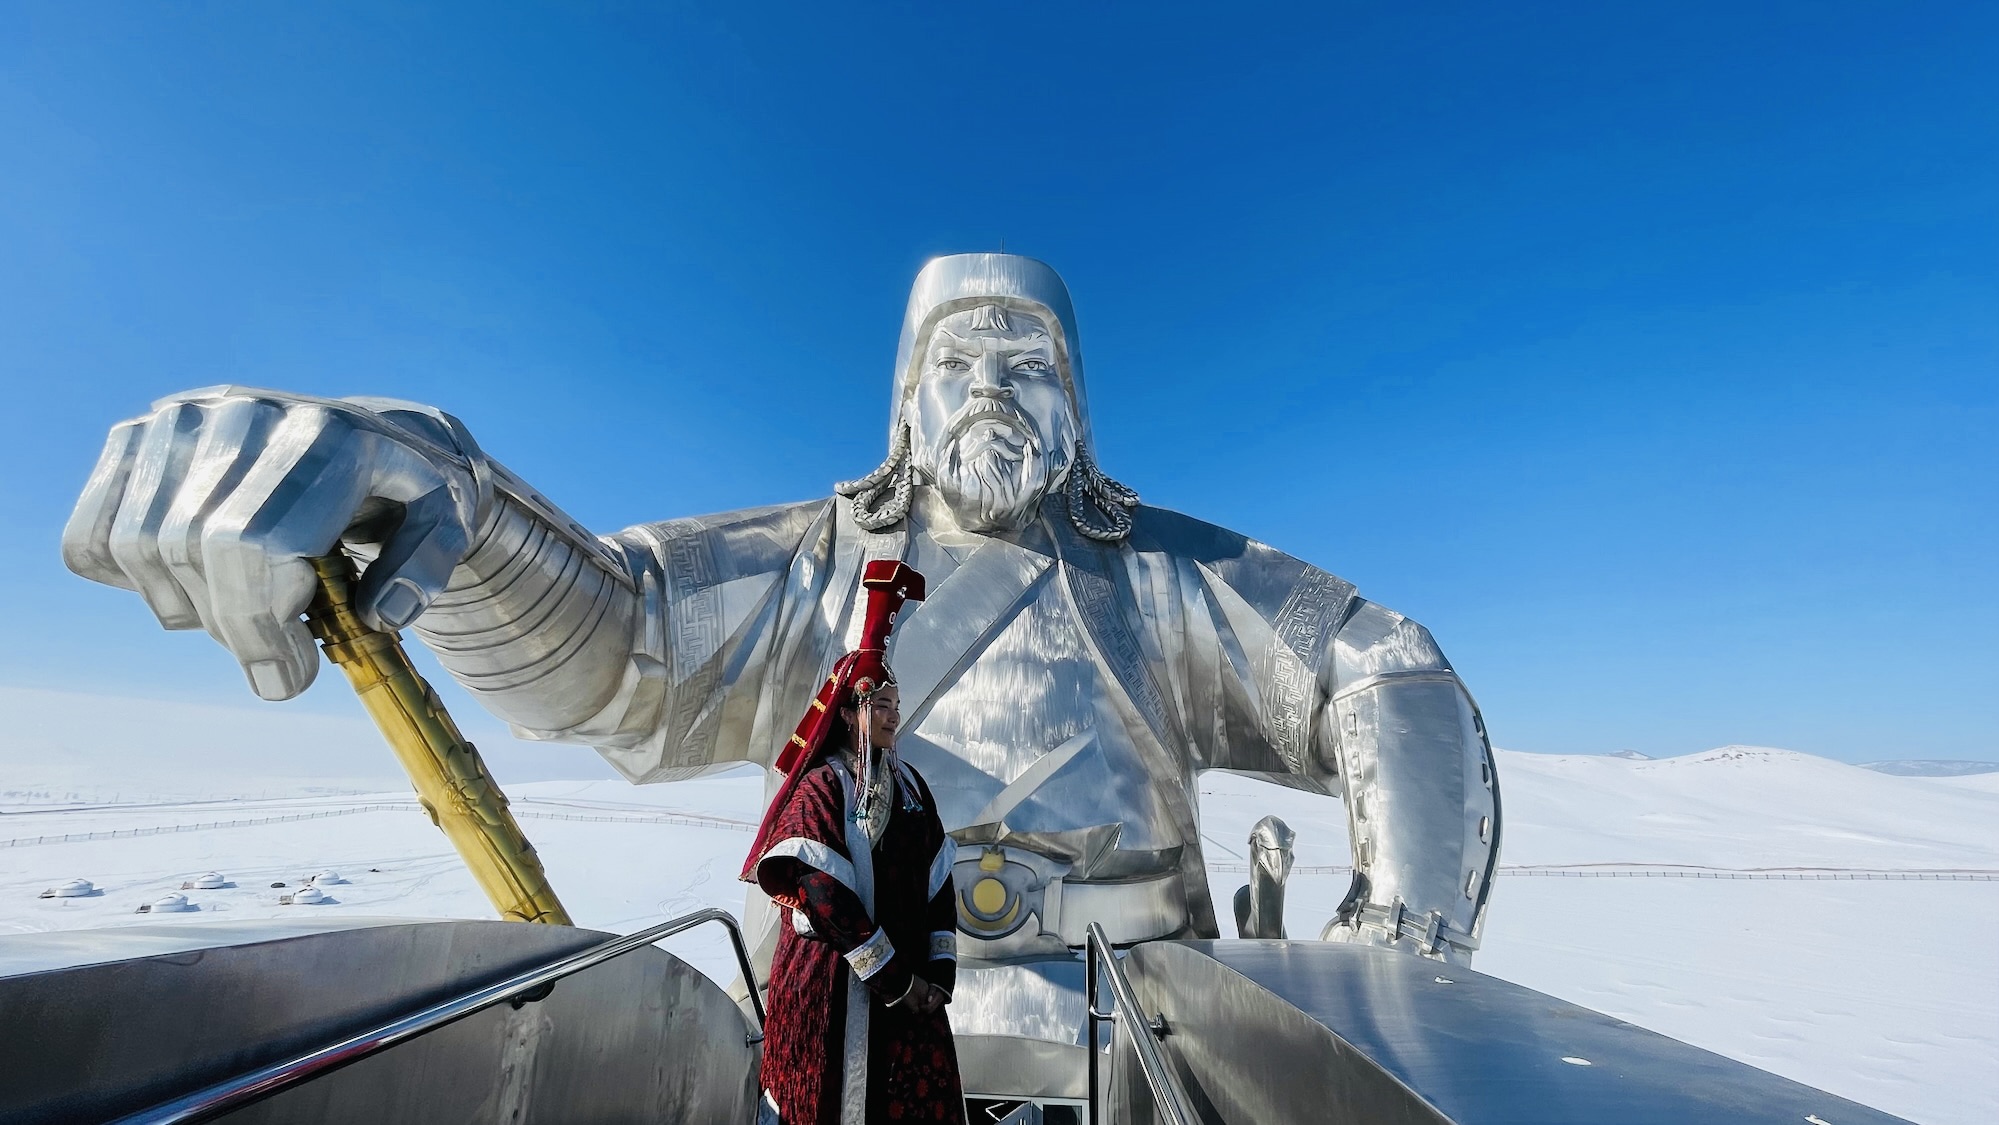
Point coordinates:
[[1539, 871], [1639, 871], [168, 829]]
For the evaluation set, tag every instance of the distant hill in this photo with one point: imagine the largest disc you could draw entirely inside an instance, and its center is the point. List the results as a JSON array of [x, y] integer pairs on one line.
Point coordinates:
[[1906, 767], [1931, 767]]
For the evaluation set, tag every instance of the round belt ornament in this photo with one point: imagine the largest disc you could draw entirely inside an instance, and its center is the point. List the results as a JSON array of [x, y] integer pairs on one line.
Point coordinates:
[[995, 895]]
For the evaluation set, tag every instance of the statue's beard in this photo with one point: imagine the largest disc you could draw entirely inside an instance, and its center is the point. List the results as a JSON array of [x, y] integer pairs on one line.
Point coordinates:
[[991, 471]]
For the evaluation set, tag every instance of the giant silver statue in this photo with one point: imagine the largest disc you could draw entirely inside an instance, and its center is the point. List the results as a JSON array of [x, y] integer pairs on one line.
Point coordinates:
[[1081, 658]]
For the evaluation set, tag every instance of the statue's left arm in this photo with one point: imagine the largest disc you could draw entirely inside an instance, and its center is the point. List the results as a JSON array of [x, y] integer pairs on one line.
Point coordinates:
[[1336, 694], [1422, 794]]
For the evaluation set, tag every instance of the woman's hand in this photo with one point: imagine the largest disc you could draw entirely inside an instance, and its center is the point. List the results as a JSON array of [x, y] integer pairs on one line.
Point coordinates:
[[922, 997]]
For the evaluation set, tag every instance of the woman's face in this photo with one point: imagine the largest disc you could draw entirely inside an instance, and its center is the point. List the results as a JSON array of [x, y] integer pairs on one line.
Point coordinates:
[[883, 714]]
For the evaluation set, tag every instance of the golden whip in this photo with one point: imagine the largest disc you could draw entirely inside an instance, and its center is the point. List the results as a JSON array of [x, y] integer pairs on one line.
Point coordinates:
[[450, 780]]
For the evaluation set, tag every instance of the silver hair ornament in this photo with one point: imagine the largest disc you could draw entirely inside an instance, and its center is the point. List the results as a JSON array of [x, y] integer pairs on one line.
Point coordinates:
[[1088, 488], [892, 477]]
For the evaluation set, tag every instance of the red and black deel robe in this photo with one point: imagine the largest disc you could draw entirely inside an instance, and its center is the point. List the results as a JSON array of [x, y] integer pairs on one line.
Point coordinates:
[[834, 1052]]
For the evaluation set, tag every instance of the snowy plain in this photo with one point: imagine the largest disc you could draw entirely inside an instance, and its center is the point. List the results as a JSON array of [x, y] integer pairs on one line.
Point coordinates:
[[1710, 897]]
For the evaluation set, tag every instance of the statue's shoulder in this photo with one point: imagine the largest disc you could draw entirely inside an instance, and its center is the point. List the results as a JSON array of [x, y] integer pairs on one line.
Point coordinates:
[[790, 520], [752, 540], [1166, 531], [1264, 576]]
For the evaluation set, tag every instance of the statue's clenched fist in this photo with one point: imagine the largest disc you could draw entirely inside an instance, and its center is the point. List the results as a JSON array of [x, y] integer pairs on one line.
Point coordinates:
[[210, 505]]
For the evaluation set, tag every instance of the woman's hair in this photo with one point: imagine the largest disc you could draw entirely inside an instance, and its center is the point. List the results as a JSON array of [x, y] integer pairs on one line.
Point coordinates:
[[839, 732]]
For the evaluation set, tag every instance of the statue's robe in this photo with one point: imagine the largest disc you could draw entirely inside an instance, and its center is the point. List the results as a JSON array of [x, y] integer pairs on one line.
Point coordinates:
[[1059, 694], [863, 922]]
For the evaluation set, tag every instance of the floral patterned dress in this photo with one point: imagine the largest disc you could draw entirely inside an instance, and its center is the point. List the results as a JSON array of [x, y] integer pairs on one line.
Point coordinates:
[[860, 932]]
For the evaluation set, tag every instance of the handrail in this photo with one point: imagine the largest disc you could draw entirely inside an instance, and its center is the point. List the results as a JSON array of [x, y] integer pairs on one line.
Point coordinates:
[[231, 1094], [1168, 1096]]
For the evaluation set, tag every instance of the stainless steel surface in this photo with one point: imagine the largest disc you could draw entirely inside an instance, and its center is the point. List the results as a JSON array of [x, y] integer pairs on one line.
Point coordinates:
[[641, 1037], [997, 1010], [1275, 1031], [1169, 1099], [55, 950], [1259, 905], [1080, 660], [241, 1090], [1017, 1067]]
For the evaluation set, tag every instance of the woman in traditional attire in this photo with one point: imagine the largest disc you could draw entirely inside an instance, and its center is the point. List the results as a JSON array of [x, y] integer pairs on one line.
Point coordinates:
[[853, 850]]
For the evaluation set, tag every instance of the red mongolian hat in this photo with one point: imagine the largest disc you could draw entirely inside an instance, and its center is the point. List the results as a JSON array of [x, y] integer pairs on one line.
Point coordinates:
[[855, 676]]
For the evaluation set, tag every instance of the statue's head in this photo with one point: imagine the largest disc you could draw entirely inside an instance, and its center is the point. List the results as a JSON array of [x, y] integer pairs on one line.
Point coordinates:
[[1270, 848], [989, 406]]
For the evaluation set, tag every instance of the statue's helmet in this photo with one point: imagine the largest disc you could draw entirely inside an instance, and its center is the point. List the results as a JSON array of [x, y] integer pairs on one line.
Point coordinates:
[[968, 283], [957, 283]]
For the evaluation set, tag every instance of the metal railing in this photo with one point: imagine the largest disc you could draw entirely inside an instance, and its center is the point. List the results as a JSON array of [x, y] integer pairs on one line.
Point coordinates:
[[232, 1094], [1169, 1098]]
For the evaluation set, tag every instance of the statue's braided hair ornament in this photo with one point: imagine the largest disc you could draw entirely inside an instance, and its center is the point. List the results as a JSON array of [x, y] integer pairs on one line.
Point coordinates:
[[881, 499], [1099, 506]]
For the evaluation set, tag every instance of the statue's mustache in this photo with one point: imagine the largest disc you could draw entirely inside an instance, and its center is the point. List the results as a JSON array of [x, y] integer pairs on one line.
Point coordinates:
[[983, 409]]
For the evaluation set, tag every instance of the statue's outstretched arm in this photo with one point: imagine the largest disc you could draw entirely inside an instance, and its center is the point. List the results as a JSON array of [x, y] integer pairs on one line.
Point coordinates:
[[211, 506], [538, 621], [1421, 791]]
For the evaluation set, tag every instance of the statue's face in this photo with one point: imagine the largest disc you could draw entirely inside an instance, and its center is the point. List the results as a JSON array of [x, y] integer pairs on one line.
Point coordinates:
[[1274, 862], [990, 423]]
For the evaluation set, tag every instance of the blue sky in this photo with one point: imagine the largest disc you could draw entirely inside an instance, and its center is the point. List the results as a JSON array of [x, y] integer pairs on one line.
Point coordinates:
[[1648, 354]]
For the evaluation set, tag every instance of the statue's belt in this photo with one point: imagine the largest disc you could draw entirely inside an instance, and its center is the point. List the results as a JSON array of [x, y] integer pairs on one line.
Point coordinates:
[[1006, 896], [1137, 911]]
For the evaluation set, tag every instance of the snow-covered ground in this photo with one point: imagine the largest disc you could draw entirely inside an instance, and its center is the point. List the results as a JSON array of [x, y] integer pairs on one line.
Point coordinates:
[[1884, 990]]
